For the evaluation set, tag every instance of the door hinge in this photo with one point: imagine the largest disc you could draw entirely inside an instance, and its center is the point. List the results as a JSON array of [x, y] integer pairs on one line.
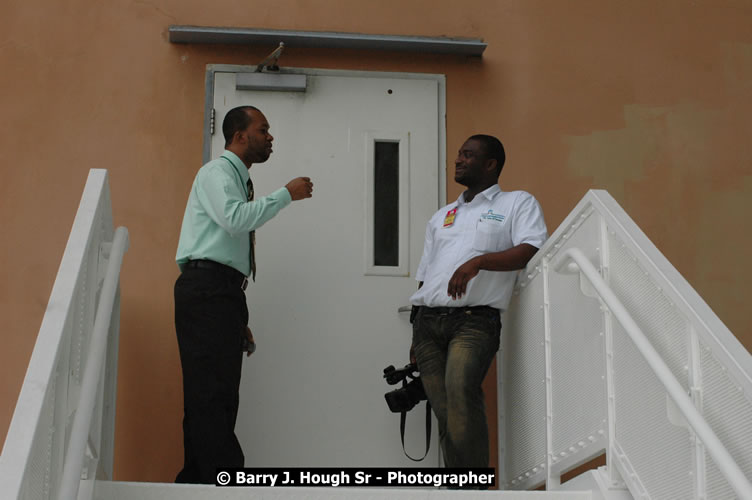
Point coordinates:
[[211, 121]]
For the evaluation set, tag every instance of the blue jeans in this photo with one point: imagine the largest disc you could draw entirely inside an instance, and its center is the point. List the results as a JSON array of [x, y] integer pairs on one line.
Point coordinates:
[[454, 348]]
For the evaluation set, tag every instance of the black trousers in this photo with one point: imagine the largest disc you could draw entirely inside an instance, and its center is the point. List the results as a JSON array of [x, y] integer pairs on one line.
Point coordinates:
[[210, 320]]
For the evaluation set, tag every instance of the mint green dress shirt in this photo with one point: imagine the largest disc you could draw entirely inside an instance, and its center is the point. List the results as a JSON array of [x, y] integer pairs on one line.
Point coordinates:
[[218, 216]]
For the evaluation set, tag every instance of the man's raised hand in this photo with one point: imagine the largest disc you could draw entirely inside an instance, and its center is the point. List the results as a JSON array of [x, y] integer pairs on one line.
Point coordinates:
[[300, 188]]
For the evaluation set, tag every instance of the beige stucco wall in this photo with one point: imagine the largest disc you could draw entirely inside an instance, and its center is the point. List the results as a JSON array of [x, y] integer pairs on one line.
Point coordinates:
[[649, 100]]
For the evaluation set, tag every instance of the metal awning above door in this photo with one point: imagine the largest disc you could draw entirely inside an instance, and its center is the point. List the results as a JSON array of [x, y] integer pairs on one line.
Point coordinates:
[[320, 39]]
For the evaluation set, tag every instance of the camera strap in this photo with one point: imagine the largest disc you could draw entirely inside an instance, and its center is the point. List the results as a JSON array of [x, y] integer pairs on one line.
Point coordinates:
[[403, 417]]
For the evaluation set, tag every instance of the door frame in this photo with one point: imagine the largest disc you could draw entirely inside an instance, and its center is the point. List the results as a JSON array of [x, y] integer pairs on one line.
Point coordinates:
[[211, 69], [439, 79]]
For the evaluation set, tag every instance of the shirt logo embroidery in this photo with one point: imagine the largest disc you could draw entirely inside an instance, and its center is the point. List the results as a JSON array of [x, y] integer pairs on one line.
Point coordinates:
[[449, 219], [490, 215]]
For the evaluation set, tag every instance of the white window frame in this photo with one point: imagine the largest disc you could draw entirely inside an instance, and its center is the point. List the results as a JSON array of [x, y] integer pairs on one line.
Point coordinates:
[[403, 267]]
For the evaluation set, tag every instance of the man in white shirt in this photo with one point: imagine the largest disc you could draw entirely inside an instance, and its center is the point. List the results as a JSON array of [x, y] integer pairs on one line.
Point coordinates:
[[473, 249]]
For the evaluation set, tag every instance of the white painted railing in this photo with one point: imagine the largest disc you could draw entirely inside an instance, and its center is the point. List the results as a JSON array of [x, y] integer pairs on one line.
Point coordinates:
[[79, 435], [715, 448], [65, 412], [575, 383]]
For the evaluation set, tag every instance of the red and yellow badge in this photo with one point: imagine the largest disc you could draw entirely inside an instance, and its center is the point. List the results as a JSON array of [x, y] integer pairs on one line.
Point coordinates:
[[449, 219]]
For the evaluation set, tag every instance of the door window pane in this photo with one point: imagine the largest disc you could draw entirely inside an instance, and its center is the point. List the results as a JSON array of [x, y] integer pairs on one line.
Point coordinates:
[[386, 204]]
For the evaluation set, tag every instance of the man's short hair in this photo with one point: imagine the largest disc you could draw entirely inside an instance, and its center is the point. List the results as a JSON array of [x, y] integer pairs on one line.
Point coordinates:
[[236, 119], [493, 148]]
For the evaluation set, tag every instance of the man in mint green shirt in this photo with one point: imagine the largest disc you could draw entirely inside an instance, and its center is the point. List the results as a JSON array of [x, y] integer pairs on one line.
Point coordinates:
[[216, 255]]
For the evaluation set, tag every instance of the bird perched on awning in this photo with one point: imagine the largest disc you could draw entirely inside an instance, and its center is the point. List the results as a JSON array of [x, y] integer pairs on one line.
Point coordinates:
[[270, 62]]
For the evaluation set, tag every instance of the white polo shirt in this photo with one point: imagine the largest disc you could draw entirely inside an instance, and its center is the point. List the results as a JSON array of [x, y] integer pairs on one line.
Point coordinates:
[[493, 221]]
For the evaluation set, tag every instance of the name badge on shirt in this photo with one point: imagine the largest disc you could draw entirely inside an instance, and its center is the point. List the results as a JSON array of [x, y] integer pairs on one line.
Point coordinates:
[[449, 219], [493, 216]]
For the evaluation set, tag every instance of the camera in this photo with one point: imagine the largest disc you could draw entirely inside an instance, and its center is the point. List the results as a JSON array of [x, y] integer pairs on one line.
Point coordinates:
[[410, 394]]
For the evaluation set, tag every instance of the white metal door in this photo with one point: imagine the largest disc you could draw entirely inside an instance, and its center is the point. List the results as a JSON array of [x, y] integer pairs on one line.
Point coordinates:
[[323, 314]]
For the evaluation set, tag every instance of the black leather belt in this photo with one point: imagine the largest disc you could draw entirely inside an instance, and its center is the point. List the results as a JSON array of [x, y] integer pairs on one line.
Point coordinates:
[[216, 266], [446, 311]]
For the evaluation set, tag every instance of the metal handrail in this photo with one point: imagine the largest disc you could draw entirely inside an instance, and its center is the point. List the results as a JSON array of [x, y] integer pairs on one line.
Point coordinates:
[[79, 436], [726, 463]]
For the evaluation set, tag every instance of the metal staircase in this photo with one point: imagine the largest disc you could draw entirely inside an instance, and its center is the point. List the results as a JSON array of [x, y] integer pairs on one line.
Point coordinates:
[[606, 349]]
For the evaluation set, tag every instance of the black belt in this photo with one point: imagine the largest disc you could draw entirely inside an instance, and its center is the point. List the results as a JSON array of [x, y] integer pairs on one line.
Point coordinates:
[[216, 266], [446, 311]]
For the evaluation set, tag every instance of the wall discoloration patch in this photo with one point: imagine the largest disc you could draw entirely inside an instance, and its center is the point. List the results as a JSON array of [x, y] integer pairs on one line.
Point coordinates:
[[613, 158], [683, 172]]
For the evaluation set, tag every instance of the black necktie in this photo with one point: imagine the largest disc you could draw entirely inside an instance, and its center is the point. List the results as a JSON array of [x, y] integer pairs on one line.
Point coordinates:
[[252, 235]]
